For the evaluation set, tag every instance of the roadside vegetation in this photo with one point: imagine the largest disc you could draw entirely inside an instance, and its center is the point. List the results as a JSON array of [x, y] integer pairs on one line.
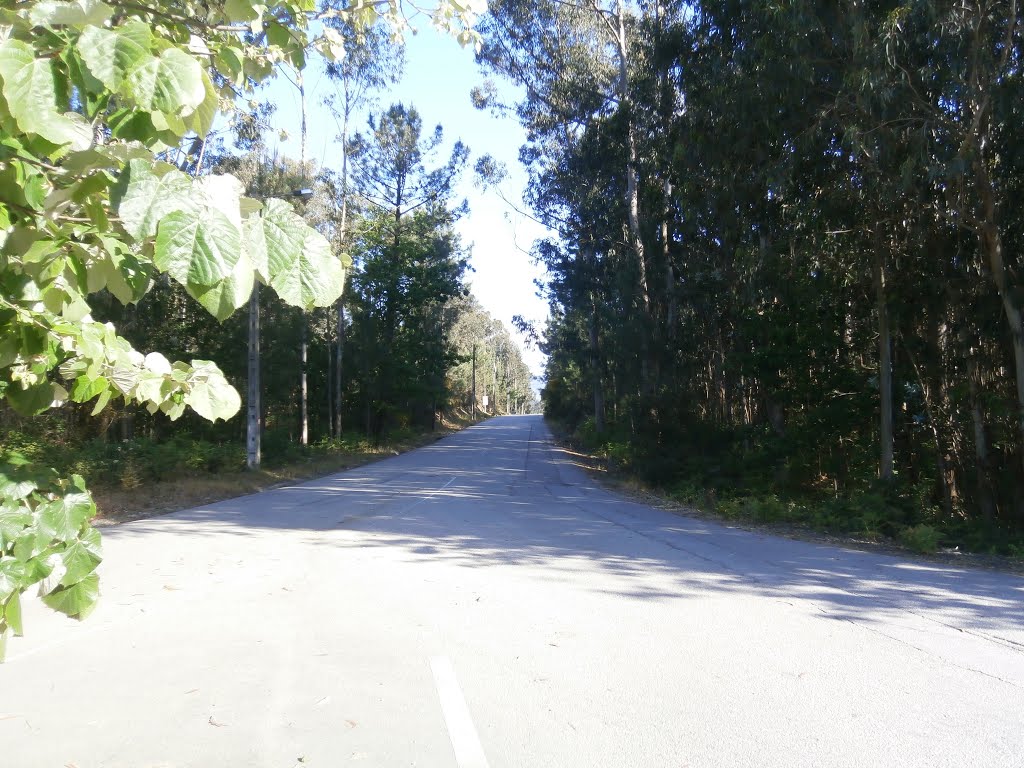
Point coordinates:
[[740, 487], [143, 477]]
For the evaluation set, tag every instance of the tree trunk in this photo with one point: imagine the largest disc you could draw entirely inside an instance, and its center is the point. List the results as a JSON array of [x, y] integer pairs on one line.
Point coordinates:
[[344, 166], [986, 498], [940, 452], [302, 129], [340, 368], [666, 253], [632, 179], [992, 247], [885, 468], [304, 346], [330, 379], [127, 426], [983, 76], [667, 110], [340, 306], [595, 368]]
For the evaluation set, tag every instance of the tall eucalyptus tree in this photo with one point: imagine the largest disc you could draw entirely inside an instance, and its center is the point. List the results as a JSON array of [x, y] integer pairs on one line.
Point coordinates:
[[372, 61]]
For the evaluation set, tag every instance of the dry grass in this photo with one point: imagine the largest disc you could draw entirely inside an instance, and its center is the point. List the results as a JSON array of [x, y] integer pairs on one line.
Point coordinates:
[[119, 505]]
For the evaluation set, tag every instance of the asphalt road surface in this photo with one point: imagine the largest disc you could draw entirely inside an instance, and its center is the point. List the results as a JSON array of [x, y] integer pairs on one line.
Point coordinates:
[[481, 602]]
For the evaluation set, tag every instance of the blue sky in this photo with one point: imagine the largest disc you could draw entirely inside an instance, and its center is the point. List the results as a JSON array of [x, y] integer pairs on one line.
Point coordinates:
[[437, 80]]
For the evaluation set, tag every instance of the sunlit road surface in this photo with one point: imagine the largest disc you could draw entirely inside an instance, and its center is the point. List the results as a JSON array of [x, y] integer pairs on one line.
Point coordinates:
[[481, 602]]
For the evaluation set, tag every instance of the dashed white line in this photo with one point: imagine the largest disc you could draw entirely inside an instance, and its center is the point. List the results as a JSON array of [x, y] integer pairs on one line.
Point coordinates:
[[468, 751]]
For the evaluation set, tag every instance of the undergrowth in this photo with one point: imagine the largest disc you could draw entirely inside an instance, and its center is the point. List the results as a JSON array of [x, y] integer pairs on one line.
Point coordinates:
[[737, 481]]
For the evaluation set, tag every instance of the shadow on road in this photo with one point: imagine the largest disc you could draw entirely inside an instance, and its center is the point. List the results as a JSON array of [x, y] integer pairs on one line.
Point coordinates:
[[501, 495]]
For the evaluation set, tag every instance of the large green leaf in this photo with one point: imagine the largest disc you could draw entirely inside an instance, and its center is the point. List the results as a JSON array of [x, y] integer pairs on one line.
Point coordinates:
[[124, 274], [62, 518], [240, 10], [222, 192], [78, 600], [211, 396], [201, 119], [13, 519], [227, 295], [15, 485], [53, 13], [171, 83], [30, 92], [112, 54], [81, 557], [148, 196], [254, 243], [198, 249], [301, 267], [30, 544], [86, 388], [31, 400], [12, 613], [12, 574]]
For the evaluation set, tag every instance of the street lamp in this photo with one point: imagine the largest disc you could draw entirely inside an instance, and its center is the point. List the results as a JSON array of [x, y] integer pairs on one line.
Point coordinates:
[[254, 413]]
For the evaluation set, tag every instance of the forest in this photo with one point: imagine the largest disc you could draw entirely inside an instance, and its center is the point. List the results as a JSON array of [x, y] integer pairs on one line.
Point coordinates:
[[785, 283], [393, 353]]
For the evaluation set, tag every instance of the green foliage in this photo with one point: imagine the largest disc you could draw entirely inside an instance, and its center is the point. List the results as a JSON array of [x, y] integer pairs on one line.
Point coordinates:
[[45, 539], [501, 372], [921, 538], [298, 258], [409, 265]]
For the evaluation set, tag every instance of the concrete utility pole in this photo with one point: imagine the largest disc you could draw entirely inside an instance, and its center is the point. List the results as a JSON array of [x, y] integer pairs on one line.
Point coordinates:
[[304, 387], [253, 411]]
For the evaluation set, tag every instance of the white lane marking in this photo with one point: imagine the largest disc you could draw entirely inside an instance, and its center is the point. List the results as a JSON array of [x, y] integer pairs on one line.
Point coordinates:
[[468, 752]]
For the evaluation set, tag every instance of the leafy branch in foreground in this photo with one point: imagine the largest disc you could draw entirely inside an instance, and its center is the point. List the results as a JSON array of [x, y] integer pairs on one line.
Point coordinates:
[[90, 98]]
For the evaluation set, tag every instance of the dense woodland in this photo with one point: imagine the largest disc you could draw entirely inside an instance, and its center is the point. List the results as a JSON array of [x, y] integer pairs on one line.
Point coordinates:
[[786, 276]]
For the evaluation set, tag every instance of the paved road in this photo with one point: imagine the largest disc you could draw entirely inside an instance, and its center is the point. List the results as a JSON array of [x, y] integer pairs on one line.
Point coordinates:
[[480, 602]]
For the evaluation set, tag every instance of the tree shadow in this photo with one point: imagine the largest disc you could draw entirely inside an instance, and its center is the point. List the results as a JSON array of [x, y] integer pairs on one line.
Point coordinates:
[[502, 495]]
